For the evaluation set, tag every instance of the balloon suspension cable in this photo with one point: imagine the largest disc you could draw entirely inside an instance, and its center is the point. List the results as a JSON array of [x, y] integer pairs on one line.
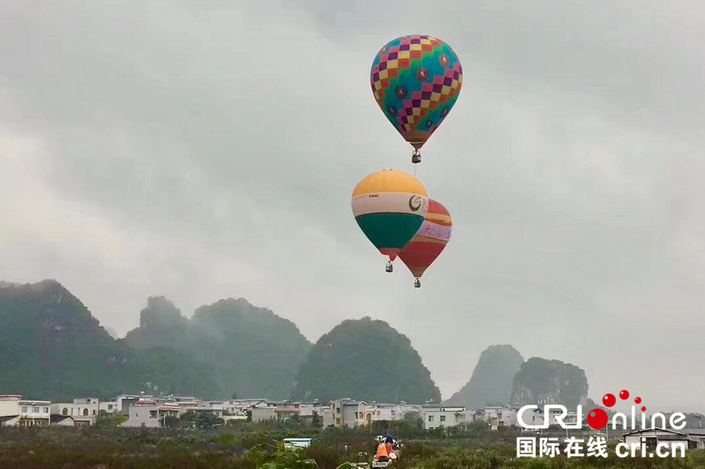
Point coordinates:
[[390, 267], [416, 156], [409, 320]]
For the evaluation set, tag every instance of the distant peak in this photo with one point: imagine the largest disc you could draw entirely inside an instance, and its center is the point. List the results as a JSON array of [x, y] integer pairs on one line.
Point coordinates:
[[46, 283]]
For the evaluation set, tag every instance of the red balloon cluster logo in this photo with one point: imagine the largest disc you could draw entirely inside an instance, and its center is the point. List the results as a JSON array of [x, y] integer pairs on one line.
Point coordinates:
[[597, 418]]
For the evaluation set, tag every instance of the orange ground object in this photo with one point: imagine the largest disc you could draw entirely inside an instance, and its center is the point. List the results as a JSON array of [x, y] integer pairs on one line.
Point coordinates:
[[382, 451]]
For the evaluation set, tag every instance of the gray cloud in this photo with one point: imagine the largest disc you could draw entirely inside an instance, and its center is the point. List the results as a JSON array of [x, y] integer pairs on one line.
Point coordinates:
[[201, 150]]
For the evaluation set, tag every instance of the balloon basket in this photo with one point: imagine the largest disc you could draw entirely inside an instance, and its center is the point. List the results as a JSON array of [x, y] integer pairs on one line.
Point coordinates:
[[390, 267], [416, 157], [417, 283]]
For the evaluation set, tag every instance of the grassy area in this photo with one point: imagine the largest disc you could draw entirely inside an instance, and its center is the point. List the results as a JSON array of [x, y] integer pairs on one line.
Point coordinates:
[[251, 446]]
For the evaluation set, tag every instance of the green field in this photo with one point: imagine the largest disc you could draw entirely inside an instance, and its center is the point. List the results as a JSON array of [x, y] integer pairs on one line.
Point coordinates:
[[251, 446]]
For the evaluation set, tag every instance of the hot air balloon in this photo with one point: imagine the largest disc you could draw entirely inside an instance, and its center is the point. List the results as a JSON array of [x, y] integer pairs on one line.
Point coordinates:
[[416, 81], [429, 241], [389, 206]]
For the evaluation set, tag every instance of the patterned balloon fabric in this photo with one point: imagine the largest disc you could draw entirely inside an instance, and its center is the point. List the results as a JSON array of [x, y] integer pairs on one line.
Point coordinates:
[[416, 81], [429, 241]]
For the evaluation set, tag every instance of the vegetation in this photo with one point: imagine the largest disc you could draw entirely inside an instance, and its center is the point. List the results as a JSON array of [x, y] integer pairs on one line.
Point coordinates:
[[492, 379], [198, 420], [550, 381], [365, 359], [258, 446]]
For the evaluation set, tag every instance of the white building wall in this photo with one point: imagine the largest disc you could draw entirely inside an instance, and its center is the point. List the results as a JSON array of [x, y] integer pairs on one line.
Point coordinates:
[[327, 417], [80, 408], [9, 405], [109, 407], [150, 416], [434, 417], [35, 409], [34, 413], [261, 414]]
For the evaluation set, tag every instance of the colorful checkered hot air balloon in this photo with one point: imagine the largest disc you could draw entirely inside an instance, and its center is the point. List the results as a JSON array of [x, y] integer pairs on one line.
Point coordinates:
[[390, 206], [416, 81], [429, 241]]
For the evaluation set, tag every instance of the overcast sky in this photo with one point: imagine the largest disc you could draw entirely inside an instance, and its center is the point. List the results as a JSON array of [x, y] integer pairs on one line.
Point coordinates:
[[208, 149]]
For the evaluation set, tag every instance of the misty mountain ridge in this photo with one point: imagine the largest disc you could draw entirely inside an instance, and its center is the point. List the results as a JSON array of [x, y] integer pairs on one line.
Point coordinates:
[[248, 351], [231, 347], [492, 379], [53, 348]]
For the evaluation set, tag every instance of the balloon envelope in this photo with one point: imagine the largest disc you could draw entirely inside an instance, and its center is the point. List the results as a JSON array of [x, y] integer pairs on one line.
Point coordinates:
[[389, 206], [416, 81], [429, 241]]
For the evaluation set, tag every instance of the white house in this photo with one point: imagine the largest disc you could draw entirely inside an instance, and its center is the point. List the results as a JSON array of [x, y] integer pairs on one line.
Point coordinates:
[[382, 412], [435, 416], [109, 407], [493, 416], [500, 416], [241, 406], [262, 414], [405, 408], [216, 405], [377, 412], [474, 415], [15, 411], [150, 414], [349, 413], [83, 411], [124, 401], [182, 401], [34, 413], [307, 411], [328, 417], [10, 405]]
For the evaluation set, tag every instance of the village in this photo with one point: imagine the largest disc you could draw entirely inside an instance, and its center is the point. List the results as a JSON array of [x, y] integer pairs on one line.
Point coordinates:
[[148, 411], [145, 410]]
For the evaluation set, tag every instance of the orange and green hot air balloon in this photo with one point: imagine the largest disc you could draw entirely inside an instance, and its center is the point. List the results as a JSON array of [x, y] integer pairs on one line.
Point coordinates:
[[390, 206], [429, 241]]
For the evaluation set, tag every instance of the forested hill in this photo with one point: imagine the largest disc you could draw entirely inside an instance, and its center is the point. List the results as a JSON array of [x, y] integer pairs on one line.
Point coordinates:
[[365, 359], [550, 382], [53, 348]]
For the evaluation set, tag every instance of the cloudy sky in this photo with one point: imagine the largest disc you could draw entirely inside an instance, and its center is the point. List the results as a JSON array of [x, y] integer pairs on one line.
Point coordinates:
[[208, 149]]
